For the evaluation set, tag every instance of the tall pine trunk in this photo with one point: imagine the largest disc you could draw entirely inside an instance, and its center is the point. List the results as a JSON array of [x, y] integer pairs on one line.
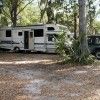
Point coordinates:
[[82, 31], [13, 12]]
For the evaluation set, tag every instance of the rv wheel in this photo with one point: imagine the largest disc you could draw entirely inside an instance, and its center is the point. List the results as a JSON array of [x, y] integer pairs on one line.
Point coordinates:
[[97, 54], [16, 49]]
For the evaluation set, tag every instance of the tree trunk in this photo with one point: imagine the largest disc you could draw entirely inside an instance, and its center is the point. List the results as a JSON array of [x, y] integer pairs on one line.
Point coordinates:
[[50, 13], [90, 17], [82, 30], [14, 13], [15, 3], [75, 25]]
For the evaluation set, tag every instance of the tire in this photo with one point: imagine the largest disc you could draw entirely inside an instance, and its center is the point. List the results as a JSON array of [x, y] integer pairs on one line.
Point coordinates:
[[97, 54], [16, 49]]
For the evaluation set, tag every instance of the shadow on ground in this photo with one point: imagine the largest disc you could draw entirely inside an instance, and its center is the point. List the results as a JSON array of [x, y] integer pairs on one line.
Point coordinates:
[[42, 77]]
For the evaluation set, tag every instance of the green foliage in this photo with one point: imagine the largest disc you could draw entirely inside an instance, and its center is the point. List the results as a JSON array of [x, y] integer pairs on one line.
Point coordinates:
[[63, 44], [60, 43], [4, 21], [91, 16], [49, 8], [97, 27], [70, 50], [13, 8], [78, 55], [29, 16]]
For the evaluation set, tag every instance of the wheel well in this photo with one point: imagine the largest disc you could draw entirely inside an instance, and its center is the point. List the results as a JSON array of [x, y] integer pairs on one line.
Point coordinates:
[[16, 47], [94, 51], [97, 49]]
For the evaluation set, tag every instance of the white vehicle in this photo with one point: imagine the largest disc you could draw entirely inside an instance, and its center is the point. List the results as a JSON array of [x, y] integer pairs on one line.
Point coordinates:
[[38, 37]]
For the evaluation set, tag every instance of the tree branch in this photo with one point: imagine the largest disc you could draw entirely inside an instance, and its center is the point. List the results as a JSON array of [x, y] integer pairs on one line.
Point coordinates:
[[6, 14], [24, 7]]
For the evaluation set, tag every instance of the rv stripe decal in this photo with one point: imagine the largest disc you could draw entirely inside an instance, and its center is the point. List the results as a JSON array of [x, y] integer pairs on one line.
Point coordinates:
[[8, 42], [44, 43]]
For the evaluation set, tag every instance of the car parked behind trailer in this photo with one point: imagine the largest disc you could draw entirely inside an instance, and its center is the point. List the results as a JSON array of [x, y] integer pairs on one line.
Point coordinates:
[[94, 45]]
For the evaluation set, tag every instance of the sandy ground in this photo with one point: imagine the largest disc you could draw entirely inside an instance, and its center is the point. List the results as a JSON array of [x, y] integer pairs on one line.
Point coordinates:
[[40, 77]]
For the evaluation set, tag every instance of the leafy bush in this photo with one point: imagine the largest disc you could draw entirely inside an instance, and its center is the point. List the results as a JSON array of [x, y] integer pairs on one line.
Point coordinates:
[[70, 49], [63, 45], [78, 56]]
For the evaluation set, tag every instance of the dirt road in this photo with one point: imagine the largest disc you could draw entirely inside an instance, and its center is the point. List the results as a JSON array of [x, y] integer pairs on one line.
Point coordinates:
[[40, 77]]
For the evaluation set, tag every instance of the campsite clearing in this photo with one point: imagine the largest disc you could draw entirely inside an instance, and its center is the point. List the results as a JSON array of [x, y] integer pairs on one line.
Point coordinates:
[[41, 77]]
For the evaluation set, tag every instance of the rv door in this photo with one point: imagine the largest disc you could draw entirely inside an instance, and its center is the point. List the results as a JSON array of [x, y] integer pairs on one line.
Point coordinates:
[[28, 40], [31, 41]]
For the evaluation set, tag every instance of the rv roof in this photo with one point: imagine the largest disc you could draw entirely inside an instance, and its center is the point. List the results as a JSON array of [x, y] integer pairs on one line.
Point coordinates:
[[42, 25], [62, 26], [31, 25]]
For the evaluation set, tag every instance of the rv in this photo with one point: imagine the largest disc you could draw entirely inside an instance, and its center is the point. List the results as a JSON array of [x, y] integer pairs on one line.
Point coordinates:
[[40, 37]]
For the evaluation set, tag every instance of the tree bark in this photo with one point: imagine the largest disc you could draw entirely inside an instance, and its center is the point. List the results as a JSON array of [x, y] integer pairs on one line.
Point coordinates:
[[50, 13], [13, 12], [82, 17], [82, 29], [75, 25], [13, 7]]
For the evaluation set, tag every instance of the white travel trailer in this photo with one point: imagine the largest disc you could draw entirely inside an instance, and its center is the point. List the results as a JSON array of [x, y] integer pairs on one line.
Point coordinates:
[[38, 37]]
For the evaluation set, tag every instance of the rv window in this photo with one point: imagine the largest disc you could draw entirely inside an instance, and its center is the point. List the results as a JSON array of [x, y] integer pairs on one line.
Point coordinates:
[[19, 33], [55, 35], [31, 34], [50, 28], [38, 33], [50, 37], [8, 33]]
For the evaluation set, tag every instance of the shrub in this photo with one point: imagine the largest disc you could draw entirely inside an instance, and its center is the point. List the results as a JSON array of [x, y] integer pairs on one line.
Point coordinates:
[[70, 49]]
